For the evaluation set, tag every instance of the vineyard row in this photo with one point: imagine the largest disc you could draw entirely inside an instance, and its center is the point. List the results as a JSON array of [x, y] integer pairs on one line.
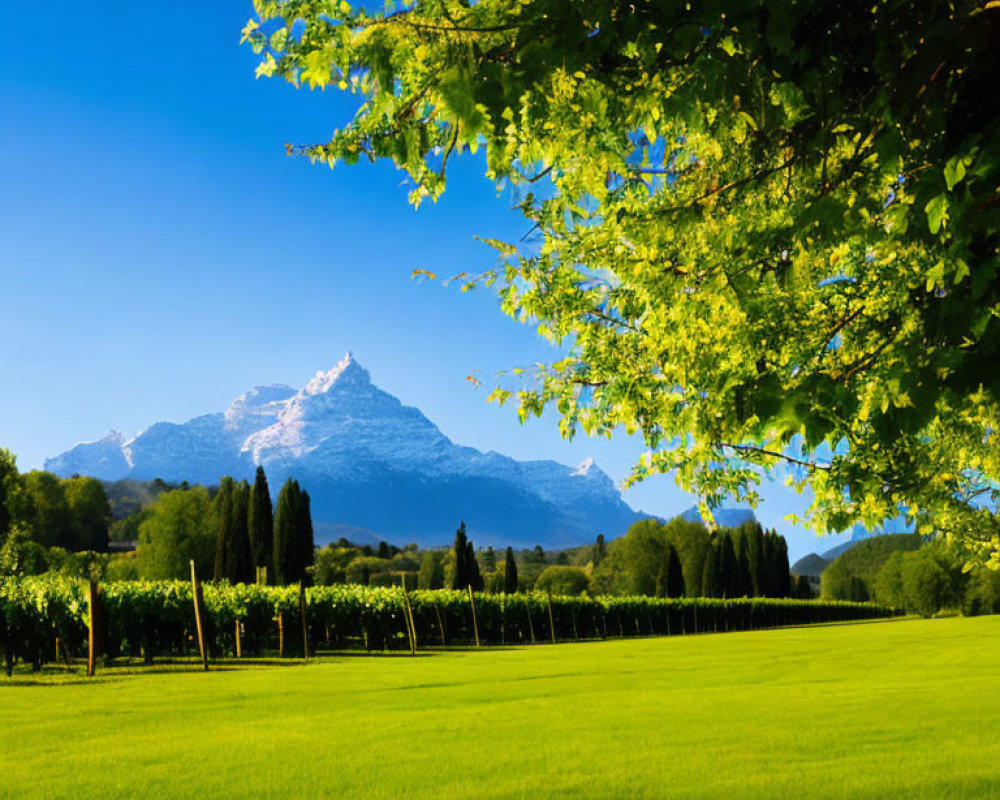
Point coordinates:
[[46, 618]]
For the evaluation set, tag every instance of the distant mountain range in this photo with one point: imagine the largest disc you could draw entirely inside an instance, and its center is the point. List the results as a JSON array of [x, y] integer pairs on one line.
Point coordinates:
[[369, 462]]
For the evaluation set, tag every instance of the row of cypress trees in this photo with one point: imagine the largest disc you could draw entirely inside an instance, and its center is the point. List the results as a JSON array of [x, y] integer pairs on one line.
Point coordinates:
[[253, 537], [746, 562], [466, 566]]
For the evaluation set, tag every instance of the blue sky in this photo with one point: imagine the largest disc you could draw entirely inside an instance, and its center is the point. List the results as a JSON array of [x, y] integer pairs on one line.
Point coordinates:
[[160, 254]]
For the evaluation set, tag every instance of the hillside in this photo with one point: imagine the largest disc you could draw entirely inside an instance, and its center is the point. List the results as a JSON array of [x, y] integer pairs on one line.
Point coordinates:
[[849, 577]]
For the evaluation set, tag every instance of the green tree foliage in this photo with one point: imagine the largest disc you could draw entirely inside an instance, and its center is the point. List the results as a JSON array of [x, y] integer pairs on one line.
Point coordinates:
[[802, 589], [635, 561], [816, 181], [510, 571], [370, 571], [710, 573], [922, 581], [851, 576], [294, 548], [888, 583], [20, 556], [431, 574], [46, 510], [182, 526], [928, 584], [225, 514], [600, 550], [563, 580], [982, 594], [10, 490], [241, 566], [332, 562], [90, 513], [306, 536], [710, 566], [261, 522], [461, 570], [126, 529], [675, 575], [474, 574], [729, 567]]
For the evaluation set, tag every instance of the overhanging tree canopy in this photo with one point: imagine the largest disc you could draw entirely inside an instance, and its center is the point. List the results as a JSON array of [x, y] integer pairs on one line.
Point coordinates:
[[763, 231]]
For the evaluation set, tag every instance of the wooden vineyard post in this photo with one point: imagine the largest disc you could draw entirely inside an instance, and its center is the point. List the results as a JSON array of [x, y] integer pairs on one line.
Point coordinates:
[[281, 635], [552, 624], [437, 611], [531, 626], [475, 624], [305, 628], [412, 625], [93, 637], [239, 640], [196, 595]]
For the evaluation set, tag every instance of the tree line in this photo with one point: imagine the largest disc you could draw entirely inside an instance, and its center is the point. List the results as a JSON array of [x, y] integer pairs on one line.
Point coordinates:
[[912, 573], [44, 517], [673, 559], [233, 532], [256, 543]]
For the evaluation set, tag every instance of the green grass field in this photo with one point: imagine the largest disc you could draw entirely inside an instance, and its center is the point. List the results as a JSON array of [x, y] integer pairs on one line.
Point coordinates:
[[888, 709]]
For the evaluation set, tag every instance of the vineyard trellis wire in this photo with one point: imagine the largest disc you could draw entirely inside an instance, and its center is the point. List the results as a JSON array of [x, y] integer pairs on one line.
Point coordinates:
[[45, 617]]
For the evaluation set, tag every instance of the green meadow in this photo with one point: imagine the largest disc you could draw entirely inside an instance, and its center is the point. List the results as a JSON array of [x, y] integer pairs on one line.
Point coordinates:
[[906, 708]]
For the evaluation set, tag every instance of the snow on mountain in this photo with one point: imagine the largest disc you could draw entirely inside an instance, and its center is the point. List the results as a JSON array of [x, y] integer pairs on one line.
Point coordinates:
[[103, 458], [370, 462]]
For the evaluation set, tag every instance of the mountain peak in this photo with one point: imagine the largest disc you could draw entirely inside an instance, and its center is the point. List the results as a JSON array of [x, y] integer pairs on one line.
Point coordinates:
[[584, 466], [347, 367]]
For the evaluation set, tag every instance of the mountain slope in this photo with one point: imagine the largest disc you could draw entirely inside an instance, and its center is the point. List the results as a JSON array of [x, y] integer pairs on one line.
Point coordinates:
[[368, 461]]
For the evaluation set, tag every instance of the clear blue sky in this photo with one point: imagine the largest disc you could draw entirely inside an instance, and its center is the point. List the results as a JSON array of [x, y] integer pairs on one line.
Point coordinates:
[[160, 254]]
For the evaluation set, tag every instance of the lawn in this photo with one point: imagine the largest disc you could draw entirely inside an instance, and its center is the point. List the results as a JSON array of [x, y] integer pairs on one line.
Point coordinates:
[[906, 708]]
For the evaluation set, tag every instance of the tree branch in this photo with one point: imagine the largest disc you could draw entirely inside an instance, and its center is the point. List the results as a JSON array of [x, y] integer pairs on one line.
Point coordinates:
[[749, 448]]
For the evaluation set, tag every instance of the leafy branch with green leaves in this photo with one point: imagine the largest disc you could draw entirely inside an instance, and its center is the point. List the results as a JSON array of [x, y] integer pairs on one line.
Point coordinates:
[[762, 232]]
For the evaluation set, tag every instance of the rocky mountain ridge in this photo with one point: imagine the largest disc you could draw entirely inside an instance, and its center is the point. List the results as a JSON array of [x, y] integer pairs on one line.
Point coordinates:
[[367, 461]]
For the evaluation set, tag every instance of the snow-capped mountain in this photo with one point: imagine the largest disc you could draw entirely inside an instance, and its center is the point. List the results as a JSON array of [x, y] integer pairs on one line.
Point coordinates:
[[368, 461]]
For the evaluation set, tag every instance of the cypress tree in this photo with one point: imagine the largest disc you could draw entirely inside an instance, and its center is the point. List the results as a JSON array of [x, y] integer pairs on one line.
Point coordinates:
[[710, 572], [224, 525], [729, 569], [489, 560], [240, 566], [475, 577], [461, 553], [431, 575], [600, 550], [757, 560], [509, 573], [745, 572], [782, 569], [261, 524], [767, 565], [306, 549], [383, 550], [675, 574], [285, 533]]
